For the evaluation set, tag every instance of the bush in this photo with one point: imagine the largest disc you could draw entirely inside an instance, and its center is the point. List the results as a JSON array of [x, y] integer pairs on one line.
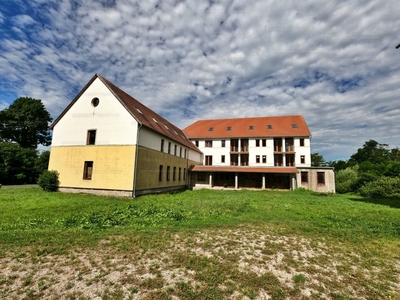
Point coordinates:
[[382, 187], [48, 181], [345, 180]]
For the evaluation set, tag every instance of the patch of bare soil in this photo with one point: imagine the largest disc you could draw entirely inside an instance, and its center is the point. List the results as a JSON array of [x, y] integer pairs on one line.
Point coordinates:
[[225, 264]]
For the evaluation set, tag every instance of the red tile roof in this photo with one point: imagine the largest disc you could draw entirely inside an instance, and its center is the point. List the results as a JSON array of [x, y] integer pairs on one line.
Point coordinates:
[[143, 115], [285, 170], [279, 126]]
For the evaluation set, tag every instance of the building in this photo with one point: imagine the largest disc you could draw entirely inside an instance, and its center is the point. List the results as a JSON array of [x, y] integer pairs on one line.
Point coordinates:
[[106, 142], [261, 153]]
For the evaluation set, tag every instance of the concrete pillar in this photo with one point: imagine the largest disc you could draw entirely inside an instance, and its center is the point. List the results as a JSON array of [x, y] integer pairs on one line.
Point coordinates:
[[239, 144], [236, 181], [284, 150], [263, 182], [210, 180]]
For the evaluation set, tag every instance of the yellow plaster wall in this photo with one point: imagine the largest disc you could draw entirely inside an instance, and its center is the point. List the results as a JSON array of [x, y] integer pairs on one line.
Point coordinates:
[[113, 166], [148, 169]]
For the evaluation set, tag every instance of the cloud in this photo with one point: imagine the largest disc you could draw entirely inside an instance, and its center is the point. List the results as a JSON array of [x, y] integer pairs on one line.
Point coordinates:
[[334, 63]]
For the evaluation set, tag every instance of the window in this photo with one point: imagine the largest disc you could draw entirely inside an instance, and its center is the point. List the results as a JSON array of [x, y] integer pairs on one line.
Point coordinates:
[[208, 161], [229, 128], [302, 159], [223, 143], [184, 173], [196, 143], [179, 174], [95, 102], [294, 125], [209, 143], [264, 142], [257, 143], [201, 176], [257, 159], [304, 177], [162, 145], [175, 149], [222, 158], [160, 172], [174, 174], [251, 127], [185, 153], [302, 142], [180, 152], [88, 170], [264, 159], [211, 129], [91, 137], [269, 126], [168, 167], [169, 147], [321, 178]]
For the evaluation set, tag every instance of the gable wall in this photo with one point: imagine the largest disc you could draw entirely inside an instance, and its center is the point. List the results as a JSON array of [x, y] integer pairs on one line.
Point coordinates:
[[114, 125]]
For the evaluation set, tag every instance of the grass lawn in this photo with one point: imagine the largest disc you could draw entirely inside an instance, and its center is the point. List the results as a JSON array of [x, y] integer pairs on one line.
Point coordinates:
[[198, 245]]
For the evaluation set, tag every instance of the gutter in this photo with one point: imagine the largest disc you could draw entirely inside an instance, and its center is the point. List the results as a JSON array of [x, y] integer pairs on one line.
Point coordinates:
[[136, 161]]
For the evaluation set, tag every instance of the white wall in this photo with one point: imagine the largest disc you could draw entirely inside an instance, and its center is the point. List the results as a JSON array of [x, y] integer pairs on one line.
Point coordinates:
[[114, 125]]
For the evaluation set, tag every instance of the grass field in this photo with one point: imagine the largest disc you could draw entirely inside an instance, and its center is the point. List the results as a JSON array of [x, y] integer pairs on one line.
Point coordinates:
[[198, 245]]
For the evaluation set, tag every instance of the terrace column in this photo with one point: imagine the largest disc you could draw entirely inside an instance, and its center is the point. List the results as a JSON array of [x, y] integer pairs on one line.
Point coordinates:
[[263, 182], [239, 144], [236, 181], [284, 150], [210, 180]]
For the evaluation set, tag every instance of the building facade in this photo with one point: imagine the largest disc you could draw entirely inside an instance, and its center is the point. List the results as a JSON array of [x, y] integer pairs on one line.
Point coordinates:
[[106, 142], [260, 153]]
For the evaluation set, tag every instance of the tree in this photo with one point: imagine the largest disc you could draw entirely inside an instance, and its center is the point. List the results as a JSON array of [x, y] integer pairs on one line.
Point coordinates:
[[372, 152], [317, 160], [26, 122]]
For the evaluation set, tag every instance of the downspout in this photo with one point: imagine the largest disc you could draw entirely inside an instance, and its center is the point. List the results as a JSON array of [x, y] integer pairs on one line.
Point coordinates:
[[136, 161], [187, 181]]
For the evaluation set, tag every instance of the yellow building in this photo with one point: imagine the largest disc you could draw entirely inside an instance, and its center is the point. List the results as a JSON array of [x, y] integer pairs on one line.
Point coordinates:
[[107, 142]]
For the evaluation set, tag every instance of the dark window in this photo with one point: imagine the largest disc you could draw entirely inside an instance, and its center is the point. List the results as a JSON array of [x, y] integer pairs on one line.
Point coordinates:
[[91, 137], [321, 178], [257, 143], [257, 159], [302, 142], [162, 145], [251, 127], [304, 177], [174, 174], [185, 153], [264, 142], [264, 159], [180, 152], [222, 158], [168, 167], [175, 151], [211, 129], [269, 126], [208, 160], [302, 159], [160, 172], [95, 102], [169, 147], [229, 128], [209, 143], [223, 143], [88, 170], [196, 143], [179, 174], [294, 125], [184, 173], [201, 176]]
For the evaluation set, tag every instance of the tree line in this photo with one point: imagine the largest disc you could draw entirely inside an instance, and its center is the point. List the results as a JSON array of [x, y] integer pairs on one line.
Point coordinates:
[[373, 171], [23, 126]]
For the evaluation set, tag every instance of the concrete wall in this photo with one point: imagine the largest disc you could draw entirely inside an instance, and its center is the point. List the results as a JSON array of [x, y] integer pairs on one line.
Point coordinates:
[[312, 184]]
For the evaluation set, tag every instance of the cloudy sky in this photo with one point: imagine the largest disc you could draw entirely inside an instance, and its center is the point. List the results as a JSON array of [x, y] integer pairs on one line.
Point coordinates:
[[334, 61]]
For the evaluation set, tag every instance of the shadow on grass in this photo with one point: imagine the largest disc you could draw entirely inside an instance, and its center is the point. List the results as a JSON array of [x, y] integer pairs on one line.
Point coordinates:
[[393, 202]]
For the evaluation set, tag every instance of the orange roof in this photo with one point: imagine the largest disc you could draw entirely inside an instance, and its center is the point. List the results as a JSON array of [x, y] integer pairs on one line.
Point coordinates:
[[286, 170], [143, 115], [279, 126]]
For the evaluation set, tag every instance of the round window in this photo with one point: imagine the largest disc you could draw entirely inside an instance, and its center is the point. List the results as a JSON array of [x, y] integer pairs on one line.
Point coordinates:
[[95, 102]]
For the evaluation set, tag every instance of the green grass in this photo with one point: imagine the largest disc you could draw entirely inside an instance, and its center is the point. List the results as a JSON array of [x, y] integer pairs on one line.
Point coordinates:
[[251, 227]]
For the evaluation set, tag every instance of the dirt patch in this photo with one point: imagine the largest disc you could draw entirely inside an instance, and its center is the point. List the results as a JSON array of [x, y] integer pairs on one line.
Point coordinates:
[[225, 264]]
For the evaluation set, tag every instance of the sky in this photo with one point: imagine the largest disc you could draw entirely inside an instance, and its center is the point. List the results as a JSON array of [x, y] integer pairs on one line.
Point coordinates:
[[334, 62]]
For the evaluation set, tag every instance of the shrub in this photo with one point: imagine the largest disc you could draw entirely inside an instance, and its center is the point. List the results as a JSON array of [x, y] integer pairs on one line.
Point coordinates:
[[382, 187], [48, 181], [346, 179]]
